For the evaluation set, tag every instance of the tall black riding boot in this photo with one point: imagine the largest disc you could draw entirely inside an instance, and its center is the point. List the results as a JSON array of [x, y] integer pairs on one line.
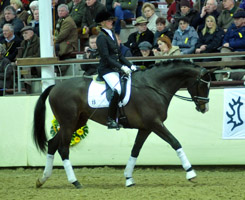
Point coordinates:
[[112, 112]]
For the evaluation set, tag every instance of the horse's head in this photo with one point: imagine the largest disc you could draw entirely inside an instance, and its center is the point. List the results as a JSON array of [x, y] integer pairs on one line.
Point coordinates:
[[199, 90]]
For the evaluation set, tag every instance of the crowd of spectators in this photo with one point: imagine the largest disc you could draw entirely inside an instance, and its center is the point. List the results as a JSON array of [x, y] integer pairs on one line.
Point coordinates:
[[190, 27]]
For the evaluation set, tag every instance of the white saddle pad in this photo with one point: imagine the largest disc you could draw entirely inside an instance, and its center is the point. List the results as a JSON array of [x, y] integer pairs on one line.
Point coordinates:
[[97, 95]]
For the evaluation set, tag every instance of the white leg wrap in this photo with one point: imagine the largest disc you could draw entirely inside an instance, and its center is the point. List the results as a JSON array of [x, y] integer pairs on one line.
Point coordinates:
[[128, 172], [48, 168], [184, 161], [69, 171]]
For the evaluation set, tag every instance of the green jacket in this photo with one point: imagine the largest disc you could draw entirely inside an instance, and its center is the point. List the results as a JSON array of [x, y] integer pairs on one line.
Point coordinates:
[[77, 12], [127, 4], [66, 35], [30, 49]]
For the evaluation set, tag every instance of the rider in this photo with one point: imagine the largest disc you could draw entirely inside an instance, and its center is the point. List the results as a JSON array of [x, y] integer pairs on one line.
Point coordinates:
[[112, 63]]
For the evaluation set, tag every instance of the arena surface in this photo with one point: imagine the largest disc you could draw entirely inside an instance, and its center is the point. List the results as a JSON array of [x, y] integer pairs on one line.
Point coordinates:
[[103, 183]]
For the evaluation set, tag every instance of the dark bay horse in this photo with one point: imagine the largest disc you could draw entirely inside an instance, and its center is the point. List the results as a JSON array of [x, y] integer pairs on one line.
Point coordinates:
[[151, 93]]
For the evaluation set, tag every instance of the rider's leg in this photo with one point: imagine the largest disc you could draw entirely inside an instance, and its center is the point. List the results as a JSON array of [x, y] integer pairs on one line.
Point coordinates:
[[113, 80]]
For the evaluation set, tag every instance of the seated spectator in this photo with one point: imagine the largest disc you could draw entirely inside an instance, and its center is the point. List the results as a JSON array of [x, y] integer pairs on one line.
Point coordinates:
[[10, 17], [145, 50], [209, 9], [234, 39], [162, 30], [210, 37], [22, 14], [124, 50], [35, 22], [165, 48], [148, 10], [11, 42], [76, 10], [66, 36], [3, 64], [185, 37], [92, 8], [55, 5], [33, 6], [173, 8], [91, 52], [225, 18], [29, 48], [124, 9], [185, 11], [142, 34]]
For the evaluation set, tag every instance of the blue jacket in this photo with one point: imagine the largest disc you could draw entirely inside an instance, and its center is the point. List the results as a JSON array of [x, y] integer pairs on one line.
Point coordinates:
[[235, 37], [185, 40]]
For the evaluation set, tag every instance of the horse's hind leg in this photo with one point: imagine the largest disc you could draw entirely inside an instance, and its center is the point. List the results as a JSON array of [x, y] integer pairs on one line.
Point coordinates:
[[164, 133], [52, 148], [139, 141]]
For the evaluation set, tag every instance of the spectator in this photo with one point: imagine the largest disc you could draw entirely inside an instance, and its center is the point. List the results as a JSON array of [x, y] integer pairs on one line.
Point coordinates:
[[173, 8], [145, 50], [186, 11], [35, 22], [209, 9], [124, 50], [4, 62], [234, 39], [185, 37], [142, 34], [76, 10], [91, 52], [210, 37], [66, 37], [92, 8], [30, 47], [242, 4], [55, 4], [33, 6], [225, 18], [22, 14], [165, 47], [11, 42], [10, 17], [162, 30], [149, 12], [124, 9]]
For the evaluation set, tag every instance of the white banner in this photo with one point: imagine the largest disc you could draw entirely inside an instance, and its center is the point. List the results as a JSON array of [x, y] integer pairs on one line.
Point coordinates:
[[234, 114]]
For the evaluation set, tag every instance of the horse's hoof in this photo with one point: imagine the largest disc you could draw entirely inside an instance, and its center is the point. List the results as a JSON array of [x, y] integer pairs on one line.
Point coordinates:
[[77, 185], [191, 175], [130, 182], [38, 183]]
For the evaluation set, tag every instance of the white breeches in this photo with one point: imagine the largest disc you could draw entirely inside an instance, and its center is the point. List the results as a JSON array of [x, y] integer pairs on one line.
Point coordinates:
[[113, 80]]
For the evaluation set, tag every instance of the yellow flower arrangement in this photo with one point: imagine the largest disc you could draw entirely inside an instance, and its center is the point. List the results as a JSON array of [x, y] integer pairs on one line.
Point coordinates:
[[77, 136]]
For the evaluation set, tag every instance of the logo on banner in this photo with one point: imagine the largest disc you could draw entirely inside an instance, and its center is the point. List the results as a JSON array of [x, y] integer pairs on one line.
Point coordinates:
[[235, 116]]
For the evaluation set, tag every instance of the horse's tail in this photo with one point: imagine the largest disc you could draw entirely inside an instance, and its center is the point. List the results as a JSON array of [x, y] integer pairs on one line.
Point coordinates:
[[39, 134]]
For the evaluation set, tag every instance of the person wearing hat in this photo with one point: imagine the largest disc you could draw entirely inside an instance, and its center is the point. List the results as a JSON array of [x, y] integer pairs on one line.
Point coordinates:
[[112, 63], [142, 34], [145, 50], [29, 48], [166, 48], [225, 18], [185, 11]]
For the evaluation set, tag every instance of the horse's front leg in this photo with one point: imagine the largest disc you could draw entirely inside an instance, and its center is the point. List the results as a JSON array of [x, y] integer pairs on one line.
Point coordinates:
[[139, 141], [164, 133]]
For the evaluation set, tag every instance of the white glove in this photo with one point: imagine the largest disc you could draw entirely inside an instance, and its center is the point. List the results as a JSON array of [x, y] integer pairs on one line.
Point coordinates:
[[126, 70], [133, 68]]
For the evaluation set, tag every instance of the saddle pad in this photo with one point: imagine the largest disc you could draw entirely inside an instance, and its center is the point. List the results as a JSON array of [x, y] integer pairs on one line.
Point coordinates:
[[97, 95]]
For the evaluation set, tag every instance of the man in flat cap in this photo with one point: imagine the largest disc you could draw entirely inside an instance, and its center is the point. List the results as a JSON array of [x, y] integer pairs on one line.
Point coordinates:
[[142, 34], [29, 48], [234, 39]]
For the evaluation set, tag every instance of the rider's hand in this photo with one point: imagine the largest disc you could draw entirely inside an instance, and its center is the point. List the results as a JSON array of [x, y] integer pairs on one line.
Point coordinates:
[[126, 70], [133, 68]]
